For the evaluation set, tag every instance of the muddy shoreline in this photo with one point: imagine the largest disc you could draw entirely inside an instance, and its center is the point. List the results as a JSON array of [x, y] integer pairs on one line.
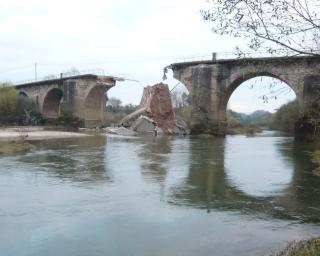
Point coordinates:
[[38, 133]]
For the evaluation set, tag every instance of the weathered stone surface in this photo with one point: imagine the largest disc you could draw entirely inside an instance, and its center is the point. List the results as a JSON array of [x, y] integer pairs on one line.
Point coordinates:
[[157, 102], [144, 125], [120, 131]]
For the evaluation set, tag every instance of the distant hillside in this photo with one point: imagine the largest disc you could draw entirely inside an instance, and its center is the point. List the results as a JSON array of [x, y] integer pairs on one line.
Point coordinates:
[[259, 117]]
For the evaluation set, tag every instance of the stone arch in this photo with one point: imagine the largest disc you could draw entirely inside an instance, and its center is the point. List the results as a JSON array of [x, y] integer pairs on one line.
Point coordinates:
[[51, 103], [235, 83], [94, 106]]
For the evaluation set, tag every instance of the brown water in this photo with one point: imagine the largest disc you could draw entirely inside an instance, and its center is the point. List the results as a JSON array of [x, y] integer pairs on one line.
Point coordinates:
[[157, 196]]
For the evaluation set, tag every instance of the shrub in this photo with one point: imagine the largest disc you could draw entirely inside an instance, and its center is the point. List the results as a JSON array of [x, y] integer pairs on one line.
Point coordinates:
[[15, 108]]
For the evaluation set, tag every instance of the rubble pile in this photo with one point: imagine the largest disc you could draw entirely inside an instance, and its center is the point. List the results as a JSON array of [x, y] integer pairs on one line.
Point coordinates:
[[154, 115]]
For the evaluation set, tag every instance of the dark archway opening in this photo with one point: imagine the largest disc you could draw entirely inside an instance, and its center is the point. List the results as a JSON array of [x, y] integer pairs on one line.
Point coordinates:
[[51, 104]]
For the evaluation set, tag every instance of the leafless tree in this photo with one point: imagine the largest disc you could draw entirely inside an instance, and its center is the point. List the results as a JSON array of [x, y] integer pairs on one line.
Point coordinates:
[[179, 98], [276, 26]]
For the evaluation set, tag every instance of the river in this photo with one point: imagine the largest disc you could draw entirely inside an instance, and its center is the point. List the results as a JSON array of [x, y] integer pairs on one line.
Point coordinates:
[[157, 196]]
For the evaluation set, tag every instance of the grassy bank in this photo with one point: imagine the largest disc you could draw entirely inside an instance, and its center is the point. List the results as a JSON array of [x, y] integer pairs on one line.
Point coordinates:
[[309, 247], [15, 146]]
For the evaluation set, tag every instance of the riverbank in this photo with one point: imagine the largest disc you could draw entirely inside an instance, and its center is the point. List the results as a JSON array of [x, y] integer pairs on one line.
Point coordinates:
[[36, 133], [309, 247], [249, 130]]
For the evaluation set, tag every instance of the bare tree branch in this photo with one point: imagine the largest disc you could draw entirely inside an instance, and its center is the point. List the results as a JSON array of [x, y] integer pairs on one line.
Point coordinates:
[[292, 25]]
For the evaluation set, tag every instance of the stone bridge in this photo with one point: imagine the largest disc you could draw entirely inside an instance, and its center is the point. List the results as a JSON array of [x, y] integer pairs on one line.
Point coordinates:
[[82, 96], [211, 83]]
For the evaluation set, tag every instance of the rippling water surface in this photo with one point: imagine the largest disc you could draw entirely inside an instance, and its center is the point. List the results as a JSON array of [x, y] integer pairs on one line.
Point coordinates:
[[157, 196]]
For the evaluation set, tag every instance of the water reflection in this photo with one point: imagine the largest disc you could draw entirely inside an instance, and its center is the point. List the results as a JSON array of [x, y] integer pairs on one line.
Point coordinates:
[[302, 196], [154, 156], [267, 177], [206, 181], [77, 160], [188, 196], [255, 166], [213, 183]]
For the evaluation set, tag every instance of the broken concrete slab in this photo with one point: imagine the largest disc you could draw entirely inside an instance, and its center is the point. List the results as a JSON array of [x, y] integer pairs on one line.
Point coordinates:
[[128, 120], [120, 131], [144, 125]]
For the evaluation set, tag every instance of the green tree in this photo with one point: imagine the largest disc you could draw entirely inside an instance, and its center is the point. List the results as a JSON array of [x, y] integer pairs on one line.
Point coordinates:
[[15, 108], [8, 102], [114, 105], [8, 98], [286, 117]]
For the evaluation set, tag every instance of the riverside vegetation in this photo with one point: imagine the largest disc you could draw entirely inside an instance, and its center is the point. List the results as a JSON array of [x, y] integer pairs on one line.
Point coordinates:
[[283, 119], [309, 247], [16, 109]]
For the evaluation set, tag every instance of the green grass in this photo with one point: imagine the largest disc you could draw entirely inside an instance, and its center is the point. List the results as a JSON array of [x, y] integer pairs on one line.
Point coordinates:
[[315, 159], [11, 147], [309, 247]]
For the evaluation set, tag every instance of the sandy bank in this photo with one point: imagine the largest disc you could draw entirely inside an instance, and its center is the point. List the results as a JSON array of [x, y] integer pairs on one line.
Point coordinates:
[[36, 133]]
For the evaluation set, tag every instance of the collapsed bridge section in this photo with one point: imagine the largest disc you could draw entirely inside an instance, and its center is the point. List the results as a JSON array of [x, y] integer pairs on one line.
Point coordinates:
[[81, 96]]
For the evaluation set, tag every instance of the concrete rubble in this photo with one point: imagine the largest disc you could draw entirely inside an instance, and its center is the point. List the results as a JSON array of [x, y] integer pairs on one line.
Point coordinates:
[[120, 131], [155, 115], [144, 125], [128, 120]]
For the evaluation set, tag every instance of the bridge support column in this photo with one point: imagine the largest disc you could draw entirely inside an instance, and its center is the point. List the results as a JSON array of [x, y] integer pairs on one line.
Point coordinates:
[[308, 126], [202, 85]]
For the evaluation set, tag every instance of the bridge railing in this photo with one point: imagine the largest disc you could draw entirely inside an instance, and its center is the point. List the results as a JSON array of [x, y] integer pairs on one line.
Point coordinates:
[[71, 73], [234, 55]]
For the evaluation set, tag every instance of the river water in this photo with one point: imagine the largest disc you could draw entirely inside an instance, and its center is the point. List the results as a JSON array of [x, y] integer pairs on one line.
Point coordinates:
[[157, 196]]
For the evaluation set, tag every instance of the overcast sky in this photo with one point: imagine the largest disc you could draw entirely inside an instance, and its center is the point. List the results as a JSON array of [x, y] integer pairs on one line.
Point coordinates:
[[134, 39]]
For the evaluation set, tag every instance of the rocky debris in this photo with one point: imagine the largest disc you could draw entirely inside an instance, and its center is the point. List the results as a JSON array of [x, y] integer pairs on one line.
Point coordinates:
[[181, 128], [120, 131], [157, 102], [144, 125]]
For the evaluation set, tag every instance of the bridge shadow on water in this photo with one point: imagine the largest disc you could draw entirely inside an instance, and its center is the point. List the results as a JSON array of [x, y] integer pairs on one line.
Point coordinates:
[[264, 177]]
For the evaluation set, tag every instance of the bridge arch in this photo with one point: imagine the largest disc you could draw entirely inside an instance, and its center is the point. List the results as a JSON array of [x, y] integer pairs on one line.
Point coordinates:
[[239, 80], [51, 103], [94, 106]]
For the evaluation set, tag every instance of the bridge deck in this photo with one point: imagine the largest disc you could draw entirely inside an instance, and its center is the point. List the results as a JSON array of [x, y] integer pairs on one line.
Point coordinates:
[[61, 79], [242, 60]]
